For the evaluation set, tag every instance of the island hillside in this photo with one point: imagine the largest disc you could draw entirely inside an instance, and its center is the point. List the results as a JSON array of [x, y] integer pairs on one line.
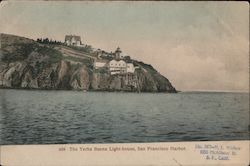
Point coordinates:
[[53, 65]]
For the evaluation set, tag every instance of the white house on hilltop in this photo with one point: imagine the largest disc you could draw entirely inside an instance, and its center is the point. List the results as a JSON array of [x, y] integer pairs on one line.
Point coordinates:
[[115, 66], [72, 40]]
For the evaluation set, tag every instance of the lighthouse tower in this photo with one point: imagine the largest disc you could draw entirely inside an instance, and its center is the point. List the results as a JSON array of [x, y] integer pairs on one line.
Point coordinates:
[[118, 53]]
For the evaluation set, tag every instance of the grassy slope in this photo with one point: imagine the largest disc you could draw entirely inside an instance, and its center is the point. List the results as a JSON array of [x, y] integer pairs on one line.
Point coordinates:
[[15, 48]]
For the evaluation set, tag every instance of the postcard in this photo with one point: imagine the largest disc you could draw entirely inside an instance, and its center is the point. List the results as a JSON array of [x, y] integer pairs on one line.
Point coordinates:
[[132, 83]]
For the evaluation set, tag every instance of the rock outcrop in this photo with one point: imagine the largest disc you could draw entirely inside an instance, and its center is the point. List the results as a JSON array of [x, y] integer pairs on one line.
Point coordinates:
[[27, 64]]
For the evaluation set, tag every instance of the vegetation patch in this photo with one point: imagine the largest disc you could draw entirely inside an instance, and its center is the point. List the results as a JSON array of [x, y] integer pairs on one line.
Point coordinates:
[[87, 62], [86, 48], [18, 52], [21, 51], [101, 70], [54, 55]]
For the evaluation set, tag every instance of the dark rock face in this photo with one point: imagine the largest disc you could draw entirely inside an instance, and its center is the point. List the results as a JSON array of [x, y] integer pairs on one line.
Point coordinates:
[[100, 81], [29, 65]]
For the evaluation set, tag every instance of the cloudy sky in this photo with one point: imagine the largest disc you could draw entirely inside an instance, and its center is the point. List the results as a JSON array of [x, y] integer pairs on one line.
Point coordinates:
[[196, 45]]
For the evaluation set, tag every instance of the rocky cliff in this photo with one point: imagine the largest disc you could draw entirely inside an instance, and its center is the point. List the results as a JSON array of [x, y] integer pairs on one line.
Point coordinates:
[[26, 64]]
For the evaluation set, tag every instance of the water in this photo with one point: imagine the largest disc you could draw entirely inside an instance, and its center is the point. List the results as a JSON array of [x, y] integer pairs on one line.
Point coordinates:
[[49, 117]]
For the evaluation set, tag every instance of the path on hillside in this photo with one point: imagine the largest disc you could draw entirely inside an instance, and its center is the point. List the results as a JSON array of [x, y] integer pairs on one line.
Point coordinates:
[[74, 53]]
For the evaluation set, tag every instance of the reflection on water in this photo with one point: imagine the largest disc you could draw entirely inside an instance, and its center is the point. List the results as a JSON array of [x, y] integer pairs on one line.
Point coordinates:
[[48, 117]]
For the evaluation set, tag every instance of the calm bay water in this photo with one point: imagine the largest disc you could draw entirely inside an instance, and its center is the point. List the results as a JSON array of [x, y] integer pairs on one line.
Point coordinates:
[[48, 117]]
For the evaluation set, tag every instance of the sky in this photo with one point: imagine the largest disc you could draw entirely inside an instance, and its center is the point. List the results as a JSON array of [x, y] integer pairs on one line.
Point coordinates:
[[196, 45]]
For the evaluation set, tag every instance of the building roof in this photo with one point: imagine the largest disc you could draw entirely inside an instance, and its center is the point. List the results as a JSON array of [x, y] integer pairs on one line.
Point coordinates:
[[112, 61], [121, 61], [70, 37]]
